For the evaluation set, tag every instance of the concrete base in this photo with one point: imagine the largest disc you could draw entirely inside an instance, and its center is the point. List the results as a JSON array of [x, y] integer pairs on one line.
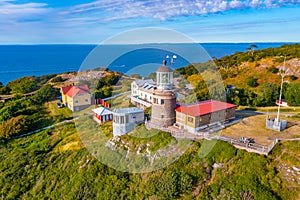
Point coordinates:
[[274, 124]]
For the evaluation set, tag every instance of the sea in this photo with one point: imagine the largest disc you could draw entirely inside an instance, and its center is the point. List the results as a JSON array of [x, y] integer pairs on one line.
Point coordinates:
[[17, 61]]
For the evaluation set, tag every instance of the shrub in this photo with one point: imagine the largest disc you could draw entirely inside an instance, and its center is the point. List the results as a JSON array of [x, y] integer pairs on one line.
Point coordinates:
[[57, 79], [23, 85], [273, 70], [252, 82], [14, 126], [293, 78]]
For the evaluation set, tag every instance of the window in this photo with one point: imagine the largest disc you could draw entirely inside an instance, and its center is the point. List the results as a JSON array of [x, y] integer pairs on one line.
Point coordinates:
[[116, 119], [190, 119], [154, 100], [165, 78], [86, 100], [76, 101], [121, 119], [162, 101], [126, 119], [162, 116]]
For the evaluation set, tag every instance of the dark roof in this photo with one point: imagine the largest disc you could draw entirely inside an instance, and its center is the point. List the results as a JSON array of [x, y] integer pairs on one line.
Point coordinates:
[[204, 107], [164, 68]]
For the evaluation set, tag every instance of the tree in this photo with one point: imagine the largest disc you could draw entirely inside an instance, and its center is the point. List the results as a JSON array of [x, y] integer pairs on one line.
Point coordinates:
[[45, 93], [251, 48], [292, 94], [103, 92], [107, 81], [268, 95], [202, 91]]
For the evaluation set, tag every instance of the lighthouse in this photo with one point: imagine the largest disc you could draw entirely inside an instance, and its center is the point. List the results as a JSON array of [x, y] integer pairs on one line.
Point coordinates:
[[164, 99]]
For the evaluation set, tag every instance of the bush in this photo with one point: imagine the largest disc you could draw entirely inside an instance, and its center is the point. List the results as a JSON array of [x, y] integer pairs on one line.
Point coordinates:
[[108, 81], [46, 93], [273, 70], [14, 108], [14, 126], [103, 92], [293, 78], [23, 85], [252, 82], [5, 90], [57, 79]]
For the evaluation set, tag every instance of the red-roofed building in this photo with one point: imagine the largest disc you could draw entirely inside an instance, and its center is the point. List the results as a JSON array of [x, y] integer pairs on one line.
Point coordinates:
[[76, 97], [194, 117]]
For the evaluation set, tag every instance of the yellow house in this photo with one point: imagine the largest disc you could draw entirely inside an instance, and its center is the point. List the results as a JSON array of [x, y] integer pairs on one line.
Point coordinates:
[[76, 97]]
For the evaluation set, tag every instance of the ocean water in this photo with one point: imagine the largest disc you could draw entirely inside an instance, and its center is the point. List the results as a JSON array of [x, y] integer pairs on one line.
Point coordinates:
[[35, 60]]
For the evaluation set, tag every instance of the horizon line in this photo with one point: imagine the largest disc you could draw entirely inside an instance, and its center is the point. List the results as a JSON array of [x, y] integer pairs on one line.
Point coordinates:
[[242, 42]]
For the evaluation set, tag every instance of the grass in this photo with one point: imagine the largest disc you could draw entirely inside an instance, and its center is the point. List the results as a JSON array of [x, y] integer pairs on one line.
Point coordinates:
[[120, 102], [53, 164], [125, 85], [55, 111], [291, 109]]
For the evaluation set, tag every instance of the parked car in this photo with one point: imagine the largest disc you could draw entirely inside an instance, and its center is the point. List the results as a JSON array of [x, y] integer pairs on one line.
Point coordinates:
[[59, 105]]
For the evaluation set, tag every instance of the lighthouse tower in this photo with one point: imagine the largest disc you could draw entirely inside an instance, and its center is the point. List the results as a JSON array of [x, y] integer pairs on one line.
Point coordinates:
[[164, 99]]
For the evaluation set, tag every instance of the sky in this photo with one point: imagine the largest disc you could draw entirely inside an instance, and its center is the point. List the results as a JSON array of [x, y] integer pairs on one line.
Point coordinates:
[[93, 21]]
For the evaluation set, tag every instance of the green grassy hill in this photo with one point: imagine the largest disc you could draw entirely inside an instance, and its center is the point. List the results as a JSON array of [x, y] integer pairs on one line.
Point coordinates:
[[54, 164]]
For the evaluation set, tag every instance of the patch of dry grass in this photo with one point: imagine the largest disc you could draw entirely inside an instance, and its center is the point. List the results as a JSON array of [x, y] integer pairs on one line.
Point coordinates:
[[254, 127], [69, 143]]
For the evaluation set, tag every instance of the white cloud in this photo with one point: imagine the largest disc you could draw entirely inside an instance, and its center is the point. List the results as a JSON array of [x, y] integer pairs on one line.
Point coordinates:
[[169, 9], [8, 8], [40, 20]]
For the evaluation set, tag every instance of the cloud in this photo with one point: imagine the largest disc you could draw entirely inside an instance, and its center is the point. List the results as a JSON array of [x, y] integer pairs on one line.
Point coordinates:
[[114, 10], [169, 9], [32, 20], [8, 8]]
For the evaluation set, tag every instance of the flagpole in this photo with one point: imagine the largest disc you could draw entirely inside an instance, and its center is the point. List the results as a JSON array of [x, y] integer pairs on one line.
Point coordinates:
[[280, 95]]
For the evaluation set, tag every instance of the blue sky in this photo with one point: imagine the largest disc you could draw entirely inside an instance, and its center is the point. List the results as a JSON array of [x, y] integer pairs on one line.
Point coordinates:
[[71, 21]]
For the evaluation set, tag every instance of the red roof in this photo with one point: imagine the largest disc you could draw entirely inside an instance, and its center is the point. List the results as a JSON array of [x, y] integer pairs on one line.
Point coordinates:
[[71, 91], [204, 107]]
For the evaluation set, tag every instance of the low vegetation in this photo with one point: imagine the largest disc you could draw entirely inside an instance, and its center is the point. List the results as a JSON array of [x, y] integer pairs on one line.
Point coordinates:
[[54, 164]]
